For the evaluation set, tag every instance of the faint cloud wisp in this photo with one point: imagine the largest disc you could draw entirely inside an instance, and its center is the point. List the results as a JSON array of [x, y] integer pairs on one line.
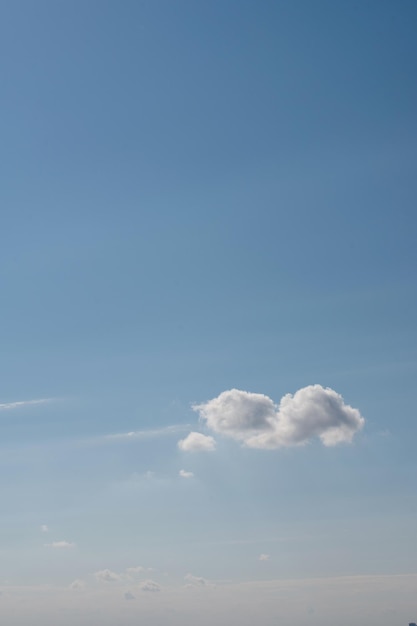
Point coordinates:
[[59, 545], [8, 406]]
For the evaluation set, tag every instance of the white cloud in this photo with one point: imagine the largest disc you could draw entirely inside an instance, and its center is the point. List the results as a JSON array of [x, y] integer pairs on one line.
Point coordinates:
[[151, 586], [134, 572], [197, 442], [60, 544], [7, 406], [77, 584], [255, 420], [44, 528], [264, 557], [107, 576], [195, 581], [129, 596], [238, 413], [184, 474]]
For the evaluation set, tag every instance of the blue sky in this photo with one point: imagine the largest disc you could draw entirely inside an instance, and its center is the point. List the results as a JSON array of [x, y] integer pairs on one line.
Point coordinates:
[[200, 197]]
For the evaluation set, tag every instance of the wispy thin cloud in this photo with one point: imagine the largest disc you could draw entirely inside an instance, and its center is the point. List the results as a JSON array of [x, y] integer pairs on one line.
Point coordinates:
[[59, 545], [257, 540], [135, 435], [9, 406]]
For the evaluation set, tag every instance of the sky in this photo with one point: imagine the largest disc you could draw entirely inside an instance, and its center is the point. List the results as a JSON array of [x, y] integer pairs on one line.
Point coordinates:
[[208, 312]]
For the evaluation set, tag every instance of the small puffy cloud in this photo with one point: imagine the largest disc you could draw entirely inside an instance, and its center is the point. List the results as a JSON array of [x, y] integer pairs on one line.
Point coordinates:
[[151, 586], [195, 581], [60, 545], [134, 571], [184, 474], [255, 420], [196, 442], [107, 576], [44, 528], [264, 557], [77, 584], [129, 596]]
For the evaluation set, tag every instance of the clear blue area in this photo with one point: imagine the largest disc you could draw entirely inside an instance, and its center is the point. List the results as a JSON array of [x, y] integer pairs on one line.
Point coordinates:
[[197, 196]]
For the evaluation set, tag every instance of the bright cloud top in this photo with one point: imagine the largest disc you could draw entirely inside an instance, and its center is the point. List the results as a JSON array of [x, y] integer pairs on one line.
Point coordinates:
[[254, 419]]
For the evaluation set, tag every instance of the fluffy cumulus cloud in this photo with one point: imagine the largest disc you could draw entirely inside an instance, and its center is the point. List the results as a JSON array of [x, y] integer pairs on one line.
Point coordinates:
[[150, 586], [238, 414], [195, 581], [77, 584], [184, 474], [264, 557], [257, 422], [107, 576], [197, 442]]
